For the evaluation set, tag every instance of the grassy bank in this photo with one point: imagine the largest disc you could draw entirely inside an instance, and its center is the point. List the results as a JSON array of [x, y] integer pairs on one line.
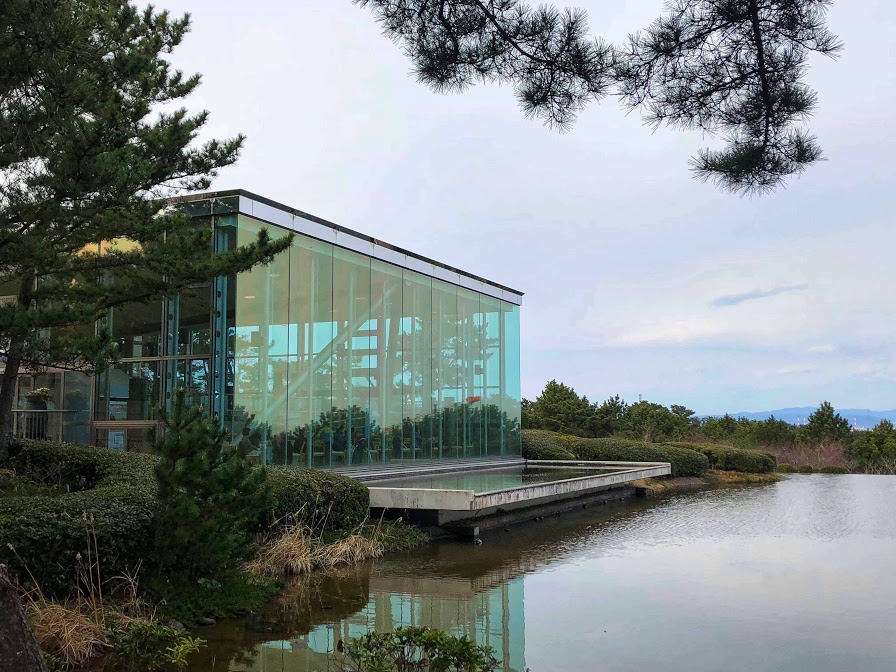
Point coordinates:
[[73, 517]]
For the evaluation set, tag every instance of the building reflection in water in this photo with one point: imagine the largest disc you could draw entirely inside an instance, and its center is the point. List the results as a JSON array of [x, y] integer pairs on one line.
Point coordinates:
[[489, 615]]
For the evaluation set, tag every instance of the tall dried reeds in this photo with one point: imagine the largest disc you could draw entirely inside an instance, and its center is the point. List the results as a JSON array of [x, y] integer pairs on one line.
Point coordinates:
[[75, 631], [289, 552], [67, 631], [296, 550]]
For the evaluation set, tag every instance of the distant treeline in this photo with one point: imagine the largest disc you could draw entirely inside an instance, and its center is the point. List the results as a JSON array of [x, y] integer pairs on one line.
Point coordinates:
[[825, 440]]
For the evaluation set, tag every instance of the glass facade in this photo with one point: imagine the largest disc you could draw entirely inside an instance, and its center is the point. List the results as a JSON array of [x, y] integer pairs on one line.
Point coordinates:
[[335, 358], [325, 357]]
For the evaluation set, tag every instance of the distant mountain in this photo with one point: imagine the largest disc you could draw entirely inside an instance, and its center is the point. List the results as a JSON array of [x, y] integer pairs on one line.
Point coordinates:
[[862, 417]]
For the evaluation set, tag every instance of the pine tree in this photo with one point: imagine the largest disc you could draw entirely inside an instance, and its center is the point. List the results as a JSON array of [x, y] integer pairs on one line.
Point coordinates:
[[559, 409], [211, 497], [733, 67], [90, 147], [825, 424]]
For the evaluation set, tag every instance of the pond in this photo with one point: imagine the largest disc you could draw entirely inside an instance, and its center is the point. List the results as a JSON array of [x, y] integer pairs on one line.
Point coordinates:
[[793, 576]]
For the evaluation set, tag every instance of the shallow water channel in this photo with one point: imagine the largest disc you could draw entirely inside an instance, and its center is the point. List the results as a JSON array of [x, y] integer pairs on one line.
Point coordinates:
[[492, 479], [794, 576]]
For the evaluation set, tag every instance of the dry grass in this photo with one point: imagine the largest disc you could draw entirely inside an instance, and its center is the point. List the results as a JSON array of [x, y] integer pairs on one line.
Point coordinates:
[[353, 549], [69, 633], [290, 553], [295, 550], [740, 478], [75, 631], [824, 454]]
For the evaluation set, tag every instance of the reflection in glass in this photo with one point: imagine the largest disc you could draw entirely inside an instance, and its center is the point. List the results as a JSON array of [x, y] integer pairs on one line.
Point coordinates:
[[128, 391], [136, 329], [76, 402], [189, 320], [318, 611], [334, 358]]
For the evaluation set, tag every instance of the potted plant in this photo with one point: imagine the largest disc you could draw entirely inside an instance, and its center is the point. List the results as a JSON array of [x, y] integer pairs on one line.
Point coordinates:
[[36, 400]]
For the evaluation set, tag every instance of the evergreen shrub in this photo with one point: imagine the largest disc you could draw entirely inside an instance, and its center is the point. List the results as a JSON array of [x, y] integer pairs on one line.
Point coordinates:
[[318, 499], [107, 508], [543, 445], [106, 505], [732, 459], [684, 462]]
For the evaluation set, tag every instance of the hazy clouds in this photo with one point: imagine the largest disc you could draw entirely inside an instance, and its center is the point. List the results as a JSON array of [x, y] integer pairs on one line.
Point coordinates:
[[638, 279]]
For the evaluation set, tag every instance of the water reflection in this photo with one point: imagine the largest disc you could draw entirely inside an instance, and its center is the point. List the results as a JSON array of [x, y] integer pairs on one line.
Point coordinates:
[[794, 576], [300, 632]]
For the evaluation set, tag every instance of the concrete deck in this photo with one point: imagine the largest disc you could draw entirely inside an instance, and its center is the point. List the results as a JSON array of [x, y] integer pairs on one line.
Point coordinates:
[[384, 497], [466, 510]]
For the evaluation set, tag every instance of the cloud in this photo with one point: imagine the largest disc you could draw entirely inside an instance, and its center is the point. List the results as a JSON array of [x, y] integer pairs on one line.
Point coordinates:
[[817, 292], [736, 299], [786, 370]]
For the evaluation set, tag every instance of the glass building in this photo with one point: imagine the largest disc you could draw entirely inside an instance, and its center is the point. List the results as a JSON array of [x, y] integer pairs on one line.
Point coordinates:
[[344, 350]]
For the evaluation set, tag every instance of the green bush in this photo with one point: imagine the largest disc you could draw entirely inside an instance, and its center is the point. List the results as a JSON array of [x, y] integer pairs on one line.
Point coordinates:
[[149, 647], [684, 462], [108, 511], [211, 499], [786, 468], [807, 469], [319, 499], [415, 648], [834, 470], [543, 445], [112, 496], [733, 459]]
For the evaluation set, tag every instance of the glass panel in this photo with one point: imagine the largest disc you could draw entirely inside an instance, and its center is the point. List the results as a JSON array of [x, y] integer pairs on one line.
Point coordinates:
[[76, 402], [320, 350], [189, 320], [128, 391], [386, 400], [492, 422], [417, 374], [257, 313], [511, 377], [137, 329], [446, 394], [192, 375], [308, 260], [351, 373], [469, 336]]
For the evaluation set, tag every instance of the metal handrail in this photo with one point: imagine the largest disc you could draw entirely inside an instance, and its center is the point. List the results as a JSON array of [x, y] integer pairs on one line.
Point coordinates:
[[34, 423]]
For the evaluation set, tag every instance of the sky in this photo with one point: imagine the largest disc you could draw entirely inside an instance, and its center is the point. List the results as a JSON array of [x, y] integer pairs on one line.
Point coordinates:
[[638, 280]]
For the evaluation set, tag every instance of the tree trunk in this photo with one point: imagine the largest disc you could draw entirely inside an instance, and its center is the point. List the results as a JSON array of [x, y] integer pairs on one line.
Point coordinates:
[[7, 398], [11, 370], [18, 648]]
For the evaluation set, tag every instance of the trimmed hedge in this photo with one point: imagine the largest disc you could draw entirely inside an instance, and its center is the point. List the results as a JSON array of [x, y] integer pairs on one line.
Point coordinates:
[[684, 462], [109, 510], [540, 444], [733, 459], [108, 505], [319, 499]]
